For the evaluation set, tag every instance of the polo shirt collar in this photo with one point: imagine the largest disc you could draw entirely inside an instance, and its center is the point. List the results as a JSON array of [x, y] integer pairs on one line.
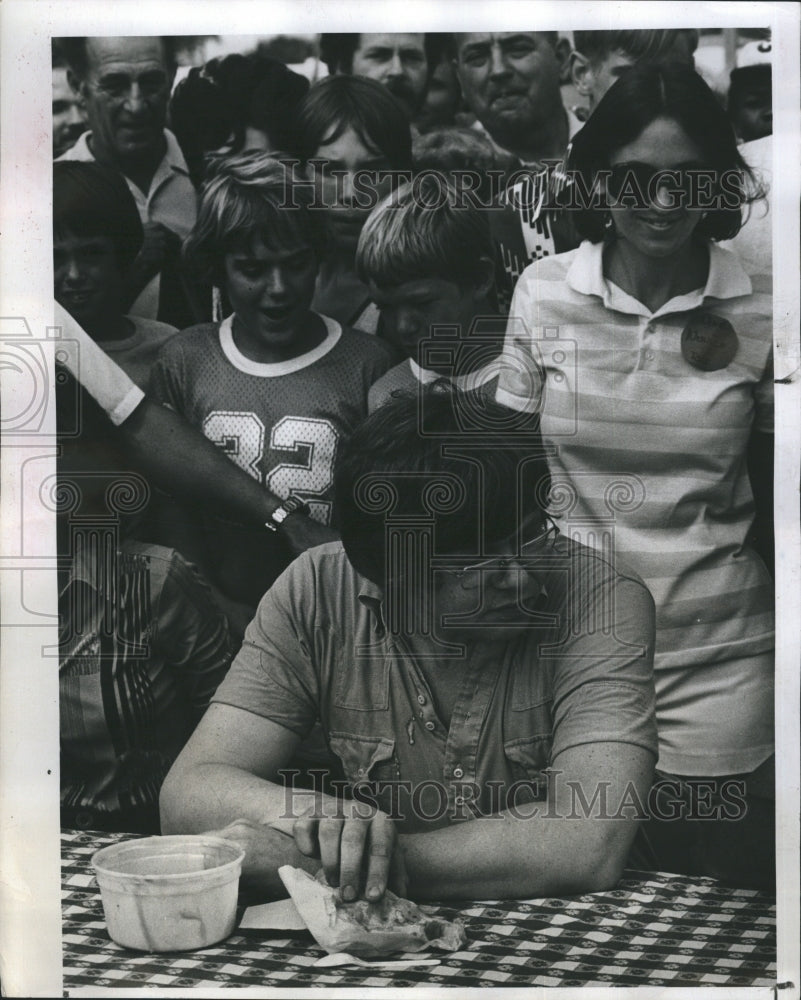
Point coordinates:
[[727, 279], [471, 381], [371, 596], [79, 150], [173, 157]]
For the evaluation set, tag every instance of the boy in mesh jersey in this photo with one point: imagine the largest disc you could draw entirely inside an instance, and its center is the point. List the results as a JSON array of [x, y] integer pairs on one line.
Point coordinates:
[[277, 386]]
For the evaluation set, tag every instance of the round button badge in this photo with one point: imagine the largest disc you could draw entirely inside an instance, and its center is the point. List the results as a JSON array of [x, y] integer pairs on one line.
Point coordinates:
[[708, 342]]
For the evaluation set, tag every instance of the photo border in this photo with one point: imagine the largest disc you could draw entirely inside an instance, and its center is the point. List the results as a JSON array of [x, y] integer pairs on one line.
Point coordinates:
[[30, 917]]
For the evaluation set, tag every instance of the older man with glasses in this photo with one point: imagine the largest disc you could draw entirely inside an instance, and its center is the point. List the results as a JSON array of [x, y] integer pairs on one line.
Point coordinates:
[[486, 684]]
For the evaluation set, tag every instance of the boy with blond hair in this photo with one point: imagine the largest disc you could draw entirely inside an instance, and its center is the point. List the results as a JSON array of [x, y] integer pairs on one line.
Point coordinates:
[[427, 256]]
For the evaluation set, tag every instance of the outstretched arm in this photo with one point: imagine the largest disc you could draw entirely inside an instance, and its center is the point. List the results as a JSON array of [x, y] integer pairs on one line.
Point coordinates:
[[179, 458]]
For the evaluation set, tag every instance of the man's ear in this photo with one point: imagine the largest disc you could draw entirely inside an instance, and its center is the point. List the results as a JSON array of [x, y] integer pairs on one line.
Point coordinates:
[[75, 82], [486, 283], [581, 73], [562, 50]]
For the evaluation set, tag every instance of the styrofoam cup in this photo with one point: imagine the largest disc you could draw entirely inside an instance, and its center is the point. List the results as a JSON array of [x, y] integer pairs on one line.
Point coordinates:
[[169, 893]]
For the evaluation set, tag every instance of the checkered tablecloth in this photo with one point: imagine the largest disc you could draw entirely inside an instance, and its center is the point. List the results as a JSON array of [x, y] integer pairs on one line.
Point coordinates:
[[653, 929]]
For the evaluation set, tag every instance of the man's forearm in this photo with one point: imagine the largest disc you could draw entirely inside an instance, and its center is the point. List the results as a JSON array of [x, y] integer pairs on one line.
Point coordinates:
[[185, 463], [212, 795], [576, 841], [505, 857]]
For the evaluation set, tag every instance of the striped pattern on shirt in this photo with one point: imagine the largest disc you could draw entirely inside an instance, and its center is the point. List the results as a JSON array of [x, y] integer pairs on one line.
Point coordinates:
[[143, 648], [620, 404]]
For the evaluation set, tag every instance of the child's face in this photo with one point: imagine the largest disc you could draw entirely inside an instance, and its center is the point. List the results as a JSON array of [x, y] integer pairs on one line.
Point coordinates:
[[350, 185], [411, 310], [271, 290], [87, 279]]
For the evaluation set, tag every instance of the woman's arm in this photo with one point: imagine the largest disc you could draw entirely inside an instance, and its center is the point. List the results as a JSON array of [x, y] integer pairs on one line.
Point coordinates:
[[760, 471]]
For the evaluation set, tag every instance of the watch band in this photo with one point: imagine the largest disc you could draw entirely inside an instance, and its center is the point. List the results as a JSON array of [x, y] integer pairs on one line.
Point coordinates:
[[292, 505]]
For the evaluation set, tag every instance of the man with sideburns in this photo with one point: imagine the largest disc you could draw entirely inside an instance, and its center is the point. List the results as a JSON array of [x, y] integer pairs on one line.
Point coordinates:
[[486, 684]]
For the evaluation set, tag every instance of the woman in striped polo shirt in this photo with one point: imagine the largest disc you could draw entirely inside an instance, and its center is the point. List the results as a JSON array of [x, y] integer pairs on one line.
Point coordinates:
[[653, 347]]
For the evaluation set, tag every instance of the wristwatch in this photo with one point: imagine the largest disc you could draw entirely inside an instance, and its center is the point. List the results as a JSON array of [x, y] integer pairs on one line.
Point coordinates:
[[292, 505]]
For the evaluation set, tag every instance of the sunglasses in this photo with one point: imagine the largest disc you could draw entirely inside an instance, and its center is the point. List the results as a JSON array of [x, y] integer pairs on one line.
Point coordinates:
[[639, 185], [470, 576]]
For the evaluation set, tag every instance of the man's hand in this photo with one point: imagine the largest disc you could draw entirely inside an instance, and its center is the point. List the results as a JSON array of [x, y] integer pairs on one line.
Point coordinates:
[[359, 852], [266, 849], [303, 533], [160, 246]]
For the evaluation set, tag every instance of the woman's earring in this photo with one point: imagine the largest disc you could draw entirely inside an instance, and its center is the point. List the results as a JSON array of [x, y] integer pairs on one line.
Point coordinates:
[[608, 224]]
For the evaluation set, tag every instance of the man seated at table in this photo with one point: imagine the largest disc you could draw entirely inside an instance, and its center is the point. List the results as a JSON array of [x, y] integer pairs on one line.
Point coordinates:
[[493, 709]]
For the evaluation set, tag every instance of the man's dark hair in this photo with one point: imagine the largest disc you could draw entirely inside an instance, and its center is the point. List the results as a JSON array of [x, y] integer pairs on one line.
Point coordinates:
[[74, 51], [340, 102], [633, 102], [58, 59], [412, 443], [90, 199], [337, 50], [651, 44], [450, 45], [745, 81]]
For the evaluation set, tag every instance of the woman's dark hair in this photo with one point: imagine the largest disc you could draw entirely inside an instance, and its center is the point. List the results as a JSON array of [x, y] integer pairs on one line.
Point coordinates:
[[92, 200], [647, 92], [215, 103], [395, 465], [340, 102]]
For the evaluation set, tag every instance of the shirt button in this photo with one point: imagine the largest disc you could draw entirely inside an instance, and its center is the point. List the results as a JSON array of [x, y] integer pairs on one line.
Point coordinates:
[[421, 699], [649, 355], [459, 800], [458, 772], [430, 725], [361, 772]]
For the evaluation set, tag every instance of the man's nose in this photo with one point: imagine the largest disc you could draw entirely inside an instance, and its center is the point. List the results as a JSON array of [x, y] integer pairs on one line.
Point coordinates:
[[498, 64], [406, 323], [135, 101], [71, 268], [395, 67], [507, 576], [74, 116]]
